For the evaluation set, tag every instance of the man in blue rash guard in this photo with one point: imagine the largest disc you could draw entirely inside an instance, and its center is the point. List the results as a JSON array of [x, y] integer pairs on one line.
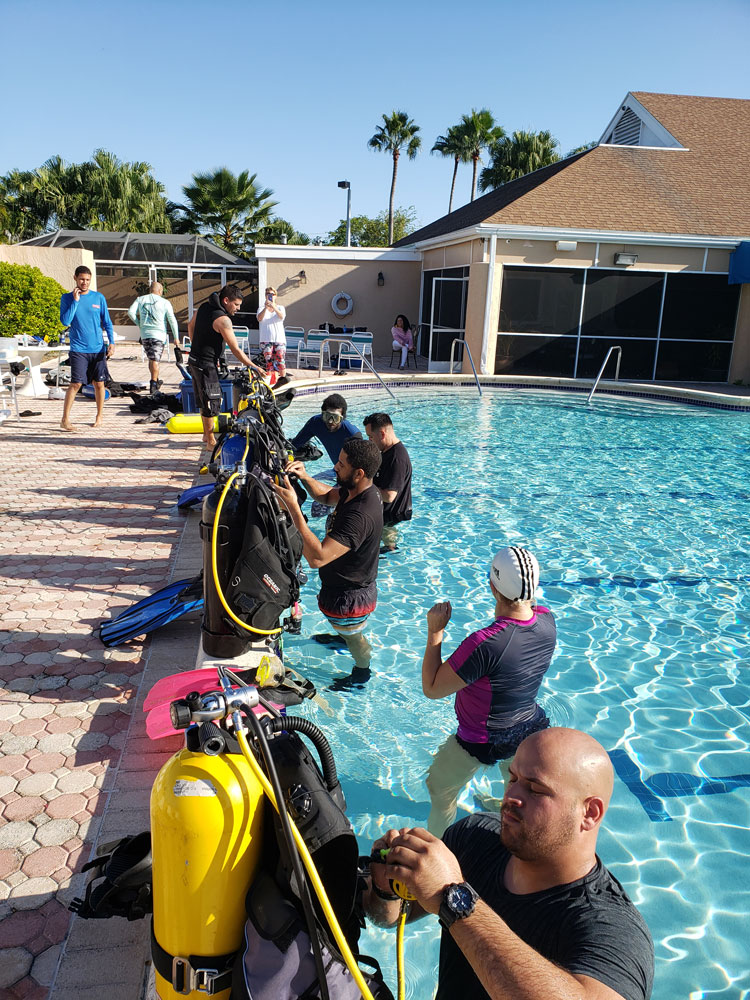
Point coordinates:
[[92, 341], [331, 428]]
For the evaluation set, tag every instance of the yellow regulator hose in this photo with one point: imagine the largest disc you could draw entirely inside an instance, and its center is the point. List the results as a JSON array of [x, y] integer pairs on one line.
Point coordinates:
[[214, 560], [320, 891]]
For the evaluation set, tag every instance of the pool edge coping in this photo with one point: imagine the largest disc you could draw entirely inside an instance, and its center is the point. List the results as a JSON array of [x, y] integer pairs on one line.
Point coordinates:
[[681, 394]]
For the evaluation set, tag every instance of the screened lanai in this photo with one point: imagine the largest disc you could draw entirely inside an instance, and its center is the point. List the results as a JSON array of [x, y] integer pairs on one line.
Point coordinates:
[[190, 268]]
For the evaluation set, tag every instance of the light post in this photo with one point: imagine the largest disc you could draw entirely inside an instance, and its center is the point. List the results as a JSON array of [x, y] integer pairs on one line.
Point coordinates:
[[348, 188]]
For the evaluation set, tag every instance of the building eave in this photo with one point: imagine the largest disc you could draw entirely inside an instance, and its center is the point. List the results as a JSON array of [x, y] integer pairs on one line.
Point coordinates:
[[280, 251]]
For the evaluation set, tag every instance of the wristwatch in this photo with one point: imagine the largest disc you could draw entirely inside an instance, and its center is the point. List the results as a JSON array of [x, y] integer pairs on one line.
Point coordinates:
[[459, 900]]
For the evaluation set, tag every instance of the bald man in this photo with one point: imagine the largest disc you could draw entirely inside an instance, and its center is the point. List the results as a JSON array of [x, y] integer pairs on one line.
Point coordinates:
[[151, 313], [528, 910]]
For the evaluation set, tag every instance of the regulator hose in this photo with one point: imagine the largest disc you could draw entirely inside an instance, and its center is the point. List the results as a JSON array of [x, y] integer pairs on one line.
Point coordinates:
[[294, 857], [320, 892], [295, 723]]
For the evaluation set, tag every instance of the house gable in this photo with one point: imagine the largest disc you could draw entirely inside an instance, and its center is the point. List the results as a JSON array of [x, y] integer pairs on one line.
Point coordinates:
[[634, 125]]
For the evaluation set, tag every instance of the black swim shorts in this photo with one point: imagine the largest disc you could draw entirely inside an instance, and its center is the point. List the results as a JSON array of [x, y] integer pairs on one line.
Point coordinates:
[[206, 388], [504, 743]]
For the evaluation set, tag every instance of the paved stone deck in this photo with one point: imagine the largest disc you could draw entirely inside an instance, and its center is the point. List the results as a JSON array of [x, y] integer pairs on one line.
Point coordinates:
[[88, 526]]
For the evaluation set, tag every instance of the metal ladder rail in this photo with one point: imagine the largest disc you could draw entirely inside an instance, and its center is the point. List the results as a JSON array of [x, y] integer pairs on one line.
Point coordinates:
[[601, 370], [460, 340], [337, 340]]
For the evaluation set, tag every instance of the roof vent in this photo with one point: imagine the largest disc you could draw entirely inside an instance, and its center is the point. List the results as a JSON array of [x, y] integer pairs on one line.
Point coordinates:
[[627, 131]]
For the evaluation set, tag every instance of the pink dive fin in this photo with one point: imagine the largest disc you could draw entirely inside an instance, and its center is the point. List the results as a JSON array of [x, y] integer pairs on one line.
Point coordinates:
[[178, 685]]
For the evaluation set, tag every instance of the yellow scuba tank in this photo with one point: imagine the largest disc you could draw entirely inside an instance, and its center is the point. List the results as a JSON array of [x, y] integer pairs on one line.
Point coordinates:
[[192, 423], [206, 823]]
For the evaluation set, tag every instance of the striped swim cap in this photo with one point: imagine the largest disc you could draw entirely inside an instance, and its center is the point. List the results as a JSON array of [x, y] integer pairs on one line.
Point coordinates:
[[515, 573]]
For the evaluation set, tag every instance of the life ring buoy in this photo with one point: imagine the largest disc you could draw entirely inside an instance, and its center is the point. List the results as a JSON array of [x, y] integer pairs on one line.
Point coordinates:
[[337, 308]]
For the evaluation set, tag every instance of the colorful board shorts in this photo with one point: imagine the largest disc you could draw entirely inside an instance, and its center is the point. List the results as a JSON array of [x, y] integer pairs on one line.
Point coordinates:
[[274, 354], [206, 388], [86, 368], [347, 612], [153, 348]]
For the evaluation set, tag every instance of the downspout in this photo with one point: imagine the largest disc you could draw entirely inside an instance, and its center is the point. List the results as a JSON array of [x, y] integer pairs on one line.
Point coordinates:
[[488, 305]]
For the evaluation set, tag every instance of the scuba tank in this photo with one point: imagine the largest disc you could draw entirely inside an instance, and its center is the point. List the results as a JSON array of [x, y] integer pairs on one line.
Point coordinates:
[[207, 840]]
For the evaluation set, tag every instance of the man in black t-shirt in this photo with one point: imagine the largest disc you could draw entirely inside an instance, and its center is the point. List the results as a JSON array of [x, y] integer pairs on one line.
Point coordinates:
[[527, 908], [393, 478], [209, 329], [347, 558]]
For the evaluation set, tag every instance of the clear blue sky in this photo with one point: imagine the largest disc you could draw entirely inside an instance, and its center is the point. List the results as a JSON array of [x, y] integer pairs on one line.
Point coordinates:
[[293, 90]]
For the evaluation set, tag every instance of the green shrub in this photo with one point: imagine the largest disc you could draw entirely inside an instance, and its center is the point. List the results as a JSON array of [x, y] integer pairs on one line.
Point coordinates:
[[29, 303]]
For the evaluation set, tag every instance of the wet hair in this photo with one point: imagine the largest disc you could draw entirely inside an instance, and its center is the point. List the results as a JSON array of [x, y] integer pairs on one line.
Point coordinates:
[[378, 420], [407, 324], [362, 454], [82, 269], [231, 292], [334, 402]]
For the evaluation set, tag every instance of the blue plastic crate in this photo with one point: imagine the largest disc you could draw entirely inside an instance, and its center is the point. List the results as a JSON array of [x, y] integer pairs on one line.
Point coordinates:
[[189, 404]]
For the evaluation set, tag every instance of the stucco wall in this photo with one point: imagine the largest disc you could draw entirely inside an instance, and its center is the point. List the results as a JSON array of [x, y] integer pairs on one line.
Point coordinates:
[[375, 307], [58, 263], [739, 370]]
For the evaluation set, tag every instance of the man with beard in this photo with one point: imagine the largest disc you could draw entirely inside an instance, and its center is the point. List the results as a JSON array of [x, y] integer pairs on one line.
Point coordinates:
[[528, 910], [347, 558]]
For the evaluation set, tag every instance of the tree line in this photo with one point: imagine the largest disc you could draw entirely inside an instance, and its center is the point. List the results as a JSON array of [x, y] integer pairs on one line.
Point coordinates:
[[234, 210]]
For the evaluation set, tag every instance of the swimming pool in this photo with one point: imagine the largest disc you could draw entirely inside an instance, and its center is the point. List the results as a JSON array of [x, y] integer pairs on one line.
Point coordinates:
[[638, 512]]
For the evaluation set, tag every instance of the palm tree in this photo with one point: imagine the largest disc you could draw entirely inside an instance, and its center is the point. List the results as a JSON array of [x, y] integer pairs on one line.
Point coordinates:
[[22, 215], [453, 144], [229, 209], [514, 156], [479, 132], [397, 132], [123, 196], [277, 228]]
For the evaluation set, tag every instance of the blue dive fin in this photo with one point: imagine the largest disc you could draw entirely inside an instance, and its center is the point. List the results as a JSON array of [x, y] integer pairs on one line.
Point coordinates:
[[193, 496], [164, 606]]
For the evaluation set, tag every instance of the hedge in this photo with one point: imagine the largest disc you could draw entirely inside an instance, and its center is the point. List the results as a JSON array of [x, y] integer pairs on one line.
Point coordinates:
[[29, 302]]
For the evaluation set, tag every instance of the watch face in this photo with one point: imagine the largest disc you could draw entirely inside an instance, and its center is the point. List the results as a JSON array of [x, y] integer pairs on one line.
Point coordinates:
[[460, 898]]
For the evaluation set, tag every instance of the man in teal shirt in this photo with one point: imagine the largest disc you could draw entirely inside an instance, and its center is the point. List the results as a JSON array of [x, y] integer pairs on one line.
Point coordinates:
[[92, 341], [151, 313]]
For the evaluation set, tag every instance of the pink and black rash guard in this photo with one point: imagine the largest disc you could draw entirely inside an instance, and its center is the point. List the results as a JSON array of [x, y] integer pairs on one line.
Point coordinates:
[[503, 666]]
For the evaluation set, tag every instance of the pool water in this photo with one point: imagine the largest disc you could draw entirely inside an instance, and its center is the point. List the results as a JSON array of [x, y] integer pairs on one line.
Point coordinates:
[[638, 513]]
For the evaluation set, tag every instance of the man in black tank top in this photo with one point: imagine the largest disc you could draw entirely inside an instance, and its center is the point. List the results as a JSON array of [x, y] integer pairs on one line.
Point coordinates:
[[209, 329]]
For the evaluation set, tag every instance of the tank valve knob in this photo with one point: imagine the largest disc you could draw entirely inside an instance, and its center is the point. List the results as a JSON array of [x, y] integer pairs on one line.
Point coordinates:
[[180, 713]]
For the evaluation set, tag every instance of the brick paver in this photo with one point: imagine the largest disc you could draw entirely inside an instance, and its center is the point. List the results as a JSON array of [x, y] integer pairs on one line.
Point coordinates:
[[89, 526]]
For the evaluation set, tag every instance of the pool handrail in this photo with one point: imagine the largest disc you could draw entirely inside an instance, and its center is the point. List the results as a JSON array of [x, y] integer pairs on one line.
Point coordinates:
[[460, 340], [614, 347], [363, 359]]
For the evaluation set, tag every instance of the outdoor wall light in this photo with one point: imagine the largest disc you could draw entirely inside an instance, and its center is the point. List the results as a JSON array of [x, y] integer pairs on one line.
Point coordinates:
[[566, 245], [381, 278], [302, 278], [626, 259]]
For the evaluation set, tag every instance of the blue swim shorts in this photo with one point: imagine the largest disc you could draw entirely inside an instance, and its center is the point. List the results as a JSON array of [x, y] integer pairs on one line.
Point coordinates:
[[86, 368]]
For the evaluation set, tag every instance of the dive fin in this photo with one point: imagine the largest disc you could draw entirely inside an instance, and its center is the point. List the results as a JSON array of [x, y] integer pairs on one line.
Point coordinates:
[[144, 616], [194, 495]]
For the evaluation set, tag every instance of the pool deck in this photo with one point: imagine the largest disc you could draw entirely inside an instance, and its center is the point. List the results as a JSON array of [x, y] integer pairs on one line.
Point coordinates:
[[89, 526]]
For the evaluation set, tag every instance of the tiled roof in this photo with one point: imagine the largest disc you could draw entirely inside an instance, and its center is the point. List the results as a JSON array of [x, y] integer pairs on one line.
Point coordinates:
[[703, 189]]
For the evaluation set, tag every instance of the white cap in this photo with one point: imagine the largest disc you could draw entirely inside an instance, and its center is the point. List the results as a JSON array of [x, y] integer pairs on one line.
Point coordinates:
[[515, 574]]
